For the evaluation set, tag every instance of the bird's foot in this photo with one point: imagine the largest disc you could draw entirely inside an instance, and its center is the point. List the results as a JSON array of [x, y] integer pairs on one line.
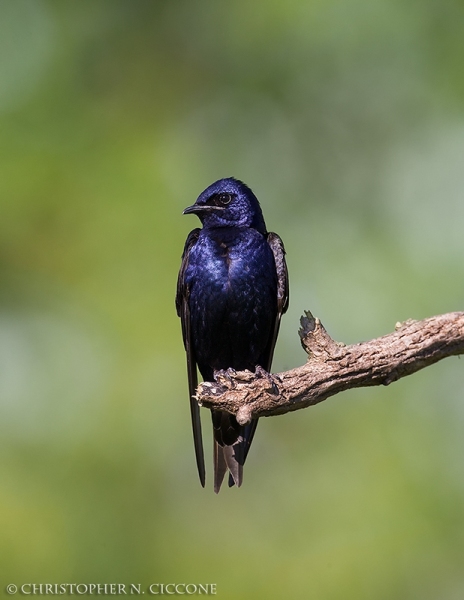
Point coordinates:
[[273, 380], [226, 378]]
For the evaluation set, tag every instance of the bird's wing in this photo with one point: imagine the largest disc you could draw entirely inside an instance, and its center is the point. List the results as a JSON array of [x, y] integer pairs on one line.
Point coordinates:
[[278, 250], [183, 311]]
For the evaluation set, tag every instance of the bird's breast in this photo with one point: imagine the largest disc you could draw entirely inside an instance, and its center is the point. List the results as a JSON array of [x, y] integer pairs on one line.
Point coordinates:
[[230, 259], [233, 297]]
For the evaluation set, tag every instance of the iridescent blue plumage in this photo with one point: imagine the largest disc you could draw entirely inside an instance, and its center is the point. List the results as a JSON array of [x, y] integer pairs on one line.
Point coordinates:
[[232, 291]]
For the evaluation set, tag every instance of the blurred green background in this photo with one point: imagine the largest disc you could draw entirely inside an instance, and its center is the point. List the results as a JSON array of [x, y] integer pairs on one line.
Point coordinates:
[[346, 117]]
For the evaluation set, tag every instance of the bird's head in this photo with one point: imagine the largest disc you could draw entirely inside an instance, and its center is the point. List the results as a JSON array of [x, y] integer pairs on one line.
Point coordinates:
[[228, 203]]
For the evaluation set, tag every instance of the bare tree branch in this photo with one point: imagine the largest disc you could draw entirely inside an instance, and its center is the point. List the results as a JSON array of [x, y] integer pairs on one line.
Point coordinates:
[[333, 367]]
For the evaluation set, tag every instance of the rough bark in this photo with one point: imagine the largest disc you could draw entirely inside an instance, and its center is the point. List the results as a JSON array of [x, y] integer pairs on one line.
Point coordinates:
[[333, 367]]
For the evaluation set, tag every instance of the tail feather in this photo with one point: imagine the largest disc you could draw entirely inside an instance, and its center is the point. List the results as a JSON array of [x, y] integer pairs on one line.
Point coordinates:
[[220, 466], [231, 445], [228, 458], [247, 434], [234, 458]]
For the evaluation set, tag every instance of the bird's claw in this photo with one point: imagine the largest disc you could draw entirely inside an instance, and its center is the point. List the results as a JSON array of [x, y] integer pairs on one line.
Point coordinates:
[[273, 380], [226, 378]]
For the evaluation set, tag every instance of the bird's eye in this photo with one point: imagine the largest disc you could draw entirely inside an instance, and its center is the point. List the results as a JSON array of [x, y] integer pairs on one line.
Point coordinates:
[[225, 198]]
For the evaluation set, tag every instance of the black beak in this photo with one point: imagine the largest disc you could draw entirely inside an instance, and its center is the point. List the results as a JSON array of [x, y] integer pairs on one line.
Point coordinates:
[[201, 208]]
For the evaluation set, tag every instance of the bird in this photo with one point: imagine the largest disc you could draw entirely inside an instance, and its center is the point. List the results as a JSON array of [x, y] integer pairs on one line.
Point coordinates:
[[232, 291]]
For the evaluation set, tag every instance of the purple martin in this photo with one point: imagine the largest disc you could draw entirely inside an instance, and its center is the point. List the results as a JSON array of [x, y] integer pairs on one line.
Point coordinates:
[[231, 293]]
